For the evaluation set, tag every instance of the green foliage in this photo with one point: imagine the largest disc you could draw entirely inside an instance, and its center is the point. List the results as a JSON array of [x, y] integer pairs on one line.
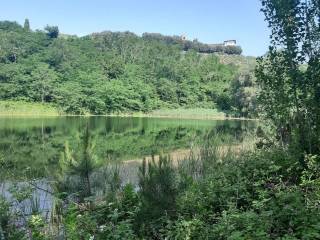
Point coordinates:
[[110, 72], [81, 163], [4, 216], [289, 74], [44, 80], [105, 220], [244, 91], [195, 45], [158, 193], [217, 194], [36, 224], [271, 193], [26, 25], [52, 31], [182, 229], [235, 224], [14, 215], [247, 196]]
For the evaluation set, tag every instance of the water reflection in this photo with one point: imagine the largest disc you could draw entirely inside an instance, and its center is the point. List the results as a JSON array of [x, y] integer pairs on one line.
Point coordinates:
[[31, 147], [66, 159]]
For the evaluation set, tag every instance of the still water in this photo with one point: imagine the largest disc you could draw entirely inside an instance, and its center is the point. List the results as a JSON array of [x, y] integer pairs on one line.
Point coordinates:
[[34, 146], [32, 152]]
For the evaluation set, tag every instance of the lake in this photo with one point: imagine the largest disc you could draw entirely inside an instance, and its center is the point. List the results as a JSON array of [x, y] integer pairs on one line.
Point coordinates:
[[33, 152], [33, 147]]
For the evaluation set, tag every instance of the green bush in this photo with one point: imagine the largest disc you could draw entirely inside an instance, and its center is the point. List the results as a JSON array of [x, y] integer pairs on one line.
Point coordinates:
[[249, 195], [158, 192]]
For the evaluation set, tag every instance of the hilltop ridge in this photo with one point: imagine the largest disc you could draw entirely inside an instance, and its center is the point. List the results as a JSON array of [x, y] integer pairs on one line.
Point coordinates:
[[228, 47]]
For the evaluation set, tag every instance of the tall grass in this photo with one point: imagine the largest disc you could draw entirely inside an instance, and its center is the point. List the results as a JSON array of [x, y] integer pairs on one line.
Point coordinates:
[[193, 113], [21, 108]]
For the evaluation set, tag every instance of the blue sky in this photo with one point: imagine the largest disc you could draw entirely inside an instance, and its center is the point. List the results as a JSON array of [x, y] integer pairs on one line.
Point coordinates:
[[210, 21]]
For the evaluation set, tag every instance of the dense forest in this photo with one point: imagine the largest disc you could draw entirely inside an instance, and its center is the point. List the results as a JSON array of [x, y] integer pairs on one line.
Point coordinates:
[[113, 72]]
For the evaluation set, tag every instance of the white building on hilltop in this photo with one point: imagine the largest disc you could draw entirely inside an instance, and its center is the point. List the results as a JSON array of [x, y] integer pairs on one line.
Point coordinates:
[[230, 43]]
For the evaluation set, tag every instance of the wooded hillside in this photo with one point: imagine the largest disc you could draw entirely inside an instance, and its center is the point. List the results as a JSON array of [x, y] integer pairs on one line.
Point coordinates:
[[112, 72]]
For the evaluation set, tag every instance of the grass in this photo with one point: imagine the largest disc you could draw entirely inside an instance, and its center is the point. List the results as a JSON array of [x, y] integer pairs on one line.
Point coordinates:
[[29, 109], [22, 108], [193, 113], [243, 62], [178, 113]]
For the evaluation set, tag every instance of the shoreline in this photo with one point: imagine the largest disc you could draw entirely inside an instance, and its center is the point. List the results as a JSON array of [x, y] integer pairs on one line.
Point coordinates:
[[18, 115], [20, 109]]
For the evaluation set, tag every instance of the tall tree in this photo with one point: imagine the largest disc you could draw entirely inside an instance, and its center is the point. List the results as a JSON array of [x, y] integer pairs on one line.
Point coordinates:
[[52, 31], [289, 74], [26, 25], [44, 79], [243, 92]]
